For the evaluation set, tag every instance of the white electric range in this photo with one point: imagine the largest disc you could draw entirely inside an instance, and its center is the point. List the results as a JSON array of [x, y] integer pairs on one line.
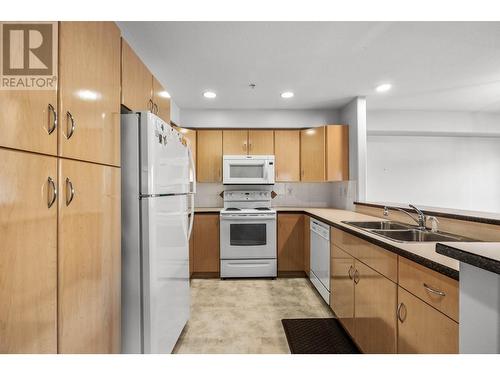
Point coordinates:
[[248, 235]]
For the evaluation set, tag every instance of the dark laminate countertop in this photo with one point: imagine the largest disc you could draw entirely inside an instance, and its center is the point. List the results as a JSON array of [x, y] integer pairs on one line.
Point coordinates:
[[485, 255]]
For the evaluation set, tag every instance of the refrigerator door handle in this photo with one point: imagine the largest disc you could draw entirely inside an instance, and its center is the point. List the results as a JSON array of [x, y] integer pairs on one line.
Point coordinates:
[[193, 168], [191, 218]]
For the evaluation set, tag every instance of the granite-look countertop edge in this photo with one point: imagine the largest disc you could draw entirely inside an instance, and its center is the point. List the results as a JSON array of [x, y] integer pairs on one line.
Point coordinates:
[[476, 260]]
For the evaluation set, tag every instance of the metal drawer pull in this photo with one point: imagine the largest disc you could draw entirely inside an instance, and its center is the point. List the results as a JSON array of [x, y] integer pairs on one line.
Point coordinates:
[[401, 307], [69, 188], [356, 277], [52, 111], [51, 199], [349, 273], [434, 291], [72, 129]]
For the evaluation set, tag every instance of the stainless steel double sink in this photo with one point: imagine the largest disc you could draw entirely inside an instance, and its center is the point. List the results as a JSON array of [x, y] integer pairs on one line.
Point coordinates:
[[401, 232]]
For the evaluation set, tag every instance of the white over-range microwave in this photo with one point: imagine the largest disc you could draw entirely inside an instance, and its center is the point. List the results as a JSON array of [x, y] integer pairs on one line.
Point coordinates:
[[248, 169]]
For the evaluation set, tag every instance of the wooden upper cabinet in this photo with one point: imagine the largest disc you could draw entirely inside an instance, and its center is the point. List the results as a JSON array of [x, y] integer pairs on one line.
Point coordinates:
[[260, 142], [161, 101], [206, 243], [291, 242], [337, 152], [137, 81], [209, 155], [89, 97], [342, 287], [28, 253], [28, 120], [89, 260], [423, 329], [235, 142], [287, 155], [312, 154]]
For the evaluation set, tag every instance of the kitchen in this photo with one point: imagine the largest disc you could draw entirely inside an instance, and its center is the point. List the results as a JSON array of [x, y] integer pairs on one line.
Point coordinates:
[[217, 205]]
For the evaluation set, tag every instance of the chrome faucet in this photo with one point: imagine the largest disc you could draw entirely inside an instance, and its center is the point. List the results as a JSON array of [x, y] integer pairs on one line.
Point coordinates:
[[421, 219]]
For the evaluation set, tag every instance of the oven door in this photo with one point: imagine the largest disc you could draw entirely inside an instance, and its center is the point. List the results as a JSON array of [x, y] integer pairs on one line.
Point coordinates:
[[248, 171], [247, 236]]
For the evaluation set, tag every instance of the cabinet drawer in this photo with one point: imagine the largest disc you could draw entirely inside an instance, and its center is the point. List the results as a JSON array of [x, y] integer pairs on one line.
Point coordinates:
[[374, 256], [437, 290]]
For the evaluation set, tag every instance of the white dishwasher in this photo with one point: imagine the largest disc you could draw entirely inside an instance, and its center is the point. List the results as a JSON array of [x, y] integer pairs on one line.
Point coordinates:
[[320, 258]]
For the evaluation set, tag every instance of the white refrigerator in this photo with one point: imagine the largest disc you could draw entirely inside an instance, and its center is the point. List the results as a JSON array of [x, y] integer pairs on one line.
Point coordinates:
[[158, 186]]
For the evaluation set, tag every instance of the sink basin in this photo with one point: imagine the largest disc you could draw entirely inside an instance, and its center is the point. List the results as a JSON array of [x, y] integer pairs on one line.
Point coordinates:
[[383, 225], [416, 235]]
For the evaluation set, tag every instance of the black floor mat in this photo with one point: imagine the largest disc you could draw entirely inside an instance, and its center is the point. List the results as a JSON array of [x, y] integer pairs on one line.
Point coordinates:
[[317, 336]]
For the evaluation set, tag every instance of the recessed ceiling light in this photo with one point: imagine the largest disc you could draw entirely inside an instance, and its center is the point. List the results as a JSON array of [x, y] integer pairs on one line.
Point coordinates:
[[383, 87], [209, 94], [287, 95], [164, 94]]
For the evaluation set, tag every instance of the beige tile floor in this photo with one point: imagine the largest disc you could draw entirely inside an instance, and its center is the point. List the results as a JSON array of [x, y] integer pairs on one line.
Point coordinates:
[[244, 316]]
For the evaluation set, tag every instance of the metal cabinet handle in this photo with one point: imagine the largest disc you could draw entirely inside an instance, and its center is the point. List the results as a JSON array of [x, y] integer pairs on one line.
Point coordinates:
[[349, 273], [71, 190], [434, 291], [51, 198], [155, 108], [150, 105], [401, 307], [53, 114], [356, 277], [69, 133]]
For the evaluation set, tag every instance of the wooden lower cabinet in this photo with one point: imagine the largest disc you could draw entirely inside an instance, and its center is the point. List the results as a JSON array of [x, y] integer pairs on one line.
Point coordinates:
[[28, 253], [290, 242], [342, 287], [375, 299], [89, 263], [206, 254], [423, 329]]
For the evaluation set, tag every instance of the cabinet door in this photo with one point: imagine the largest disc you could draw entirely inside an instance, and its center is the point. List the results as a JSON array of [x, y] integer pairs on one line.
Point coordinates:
[[423, 329], [260, 142], [287, 155], [337, 152], [161, 101], [28, 253], [136, 80], [307, 244], [209, 159], [89, 258], [374, 311], [290, 242], [206, 243], [312, 154], [89, 98], [342, 287], [235, 142], [28, 120]]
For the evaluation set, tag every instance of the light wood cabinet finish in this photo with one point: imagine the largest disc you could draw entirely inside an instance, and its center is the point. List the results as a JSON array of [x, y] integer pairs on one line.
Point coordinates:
[[379, 259], [161, 103], [28, 253], [342, 287], [428, 286], [206, 255], [287, 155], [26, 120], [89, 258], [307, 244], [312, 154], [337, 153], [375, 304], [260, 142], [424, 329], [136, 81], [235, 142], [290, 242], [89, 84], [209, 159]]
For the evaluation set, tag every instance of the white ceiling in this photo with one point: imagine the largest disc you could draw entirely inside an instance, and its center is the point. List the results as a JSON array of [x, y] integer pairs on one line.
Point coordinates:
[[432, 65]]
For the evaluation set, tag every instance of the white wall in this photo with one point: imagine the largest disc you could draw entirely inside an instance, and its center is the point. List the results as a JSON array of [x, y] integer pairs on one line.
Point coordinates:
[[199, 118], [442, 159]]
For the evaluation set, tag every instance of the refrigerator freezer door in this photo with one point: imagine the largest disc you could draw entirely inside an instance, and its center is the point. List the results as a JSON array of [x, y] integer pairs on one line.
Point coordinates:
[[165, 160], [165, 260]]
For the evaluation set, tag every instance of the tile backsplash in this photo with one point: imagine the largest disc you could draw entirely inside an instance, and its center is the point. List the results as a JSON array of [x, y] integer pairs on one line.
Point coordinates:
[[293, 194]]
